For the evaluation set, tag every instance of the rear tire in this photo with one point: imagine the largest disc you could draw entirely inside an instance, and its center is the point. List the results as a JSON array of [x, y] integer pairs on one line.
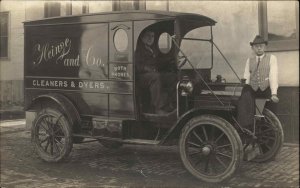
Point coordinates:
[[270, 136], [52, 135], [210, 148]]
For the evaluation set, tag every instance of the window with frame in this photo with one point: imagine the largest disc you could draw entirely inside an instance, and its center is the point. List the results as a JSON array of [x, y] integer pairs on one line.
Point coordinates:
[[279, 24], [119, 5], [4, 25], [52, 9]]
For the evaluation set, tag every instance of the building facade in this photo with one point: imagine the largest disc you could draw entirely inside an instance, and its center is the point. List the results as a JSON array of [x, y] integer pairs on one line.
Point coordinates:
[[237, 24]]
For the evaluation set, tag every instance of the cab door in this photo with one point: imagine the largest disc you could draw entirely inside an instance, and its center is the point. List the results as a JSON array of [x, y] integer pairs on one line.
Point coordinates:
[[121, 97]]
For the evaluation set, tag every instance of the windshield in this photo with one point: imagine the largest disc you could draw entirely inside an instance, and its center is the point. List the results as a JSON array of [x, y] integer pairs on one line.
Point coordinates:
[[198, 51]]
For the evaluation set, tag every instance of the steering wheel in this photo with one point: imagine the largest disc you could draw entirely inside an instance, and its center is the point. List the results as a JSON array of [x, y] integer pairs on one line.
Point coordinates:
[[181, 61]]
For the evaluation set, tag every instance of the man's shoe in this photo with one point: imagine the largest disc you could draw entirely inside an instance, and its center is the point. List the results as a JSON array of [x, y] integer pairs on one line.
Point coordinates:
[[251, 152]]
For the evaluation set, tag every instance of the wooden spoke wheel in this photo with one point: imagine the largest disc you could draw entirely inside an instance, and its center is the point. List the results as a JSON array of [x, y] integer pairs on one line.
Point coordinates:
[[210, 148], [269, 135], [52, 135]]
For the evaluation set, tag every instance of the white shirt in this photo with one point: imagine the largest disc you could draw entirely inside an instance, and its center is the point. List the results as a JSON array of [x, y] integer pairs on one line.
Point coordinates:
[[273, 74]]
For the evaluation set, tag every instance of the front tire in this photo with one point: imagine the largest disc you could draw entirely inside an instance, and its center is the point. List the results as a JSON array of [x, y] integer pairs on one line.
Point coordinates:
[[52, 135], [210, 148]]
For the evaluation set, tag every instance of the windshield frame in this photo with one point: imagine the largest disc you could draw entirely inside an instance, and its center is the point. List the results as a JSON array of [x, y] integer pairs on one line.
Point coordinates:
[[179, 39]]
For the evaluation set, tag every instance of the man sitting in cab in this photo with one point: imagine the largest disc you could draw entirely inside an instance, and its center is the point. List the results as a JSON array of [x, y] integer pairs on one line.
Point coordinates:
[[150, 78]]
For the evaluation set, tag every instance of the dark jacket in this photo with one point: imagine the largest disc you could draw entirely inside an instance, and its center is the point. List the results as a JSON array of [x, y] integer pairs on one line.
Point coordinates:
[[146, 60], [149, 61]]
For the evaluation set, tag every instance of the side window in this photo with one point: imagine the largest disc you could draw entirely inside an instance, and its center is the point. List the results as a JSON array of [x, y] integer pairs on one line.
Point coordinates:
[[120, 40], [120, 51], [279, 24], [165, 43], [52, 9], [128, 5], [4, 24]]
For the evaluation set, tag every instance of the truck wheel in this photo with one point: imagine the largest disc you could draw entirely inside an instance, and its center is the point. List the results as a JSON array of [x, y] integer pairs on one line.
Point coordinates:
[[110, 144], [52, 135], [210, 148], [270, 136]]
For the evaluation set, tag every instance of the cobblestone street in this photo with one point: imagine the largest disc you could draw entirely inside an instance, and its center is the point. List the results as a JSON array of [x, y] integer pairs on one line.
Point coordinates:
[[92, 165]]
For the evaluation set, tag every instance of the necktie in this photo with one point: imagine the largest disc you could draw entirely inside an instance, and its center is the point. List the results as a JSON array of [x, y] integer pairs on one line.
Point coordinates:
[[258, 62]]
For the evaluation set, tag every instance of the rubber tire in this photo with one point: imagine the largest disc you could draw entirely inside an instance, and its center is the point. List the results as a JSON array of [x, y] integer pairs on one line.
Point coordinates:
[[229, 131], [278, 142], [111, 144], [66, 129]]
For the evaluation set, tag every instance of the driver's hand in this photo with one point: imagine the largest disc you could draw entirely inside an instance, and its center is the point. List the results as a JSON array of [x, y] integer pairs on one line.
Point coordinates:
[[148, 69], [274, 98]]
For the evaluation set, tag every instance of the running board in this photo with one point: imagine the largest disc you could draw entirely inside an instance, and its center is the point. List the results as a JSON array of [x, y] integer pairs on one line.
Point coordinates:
[[141, 141], [125, 141]]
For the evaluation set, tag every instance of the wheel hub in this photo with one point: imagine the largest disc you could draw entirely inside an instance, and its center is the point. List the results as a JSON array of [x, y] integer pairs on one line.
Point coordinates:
[[206, 150]]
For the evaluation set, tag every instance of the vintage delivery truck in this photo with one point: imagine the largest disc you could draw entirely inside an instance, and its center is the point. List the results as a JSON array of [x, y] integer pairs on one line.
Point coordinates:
[[81, 82]]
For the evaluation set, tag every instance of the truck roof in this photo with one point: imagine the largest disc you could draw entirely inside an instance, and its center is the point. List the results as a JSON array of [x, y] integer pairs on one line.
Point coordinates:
[[116, 16]]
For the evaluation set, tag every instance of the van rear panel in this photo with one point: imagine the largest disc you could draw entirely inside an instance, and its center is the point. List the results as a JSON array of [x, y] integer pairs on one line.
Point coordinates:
[[73, 59]]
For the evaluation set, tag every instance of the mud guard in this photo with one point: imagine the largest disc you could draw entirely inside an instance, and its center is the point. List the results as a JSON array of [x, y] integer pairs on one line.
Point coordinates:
[[175, 131], [66, 105]]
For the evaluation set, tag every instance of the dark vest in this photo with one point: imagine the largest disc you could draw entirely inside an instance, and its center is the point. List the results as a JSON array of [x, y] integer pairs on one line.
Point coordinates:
[[259, 76]]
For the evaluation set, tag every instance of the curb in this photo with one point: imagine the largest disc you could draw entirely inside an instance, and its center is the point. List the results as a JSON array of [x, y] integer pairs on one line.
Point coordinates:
[[2, 132], [12, 126], [291, 144], [3, 122]]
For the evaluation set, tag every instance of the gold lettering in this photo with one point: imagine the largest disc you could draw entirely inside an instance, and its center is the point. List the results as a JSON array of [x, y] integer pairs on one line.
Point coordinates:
[[46, 52]]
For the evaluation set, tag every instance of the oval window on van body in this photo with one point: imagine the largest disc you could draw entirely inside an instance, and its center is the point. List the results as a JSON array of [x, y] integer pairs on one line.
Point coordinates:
[[121, 40], [165, 43]]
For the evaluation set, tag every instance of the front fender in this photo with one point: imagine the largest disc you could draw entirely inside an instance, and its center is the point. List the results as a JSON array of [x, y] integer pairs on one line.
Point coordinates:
[[175, 131]]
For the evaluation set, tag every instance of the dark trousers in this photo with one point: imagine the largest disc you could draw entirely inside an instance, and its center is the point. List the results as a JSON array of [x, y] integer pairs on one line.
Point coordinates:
[[246, 104], [162, 88]]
